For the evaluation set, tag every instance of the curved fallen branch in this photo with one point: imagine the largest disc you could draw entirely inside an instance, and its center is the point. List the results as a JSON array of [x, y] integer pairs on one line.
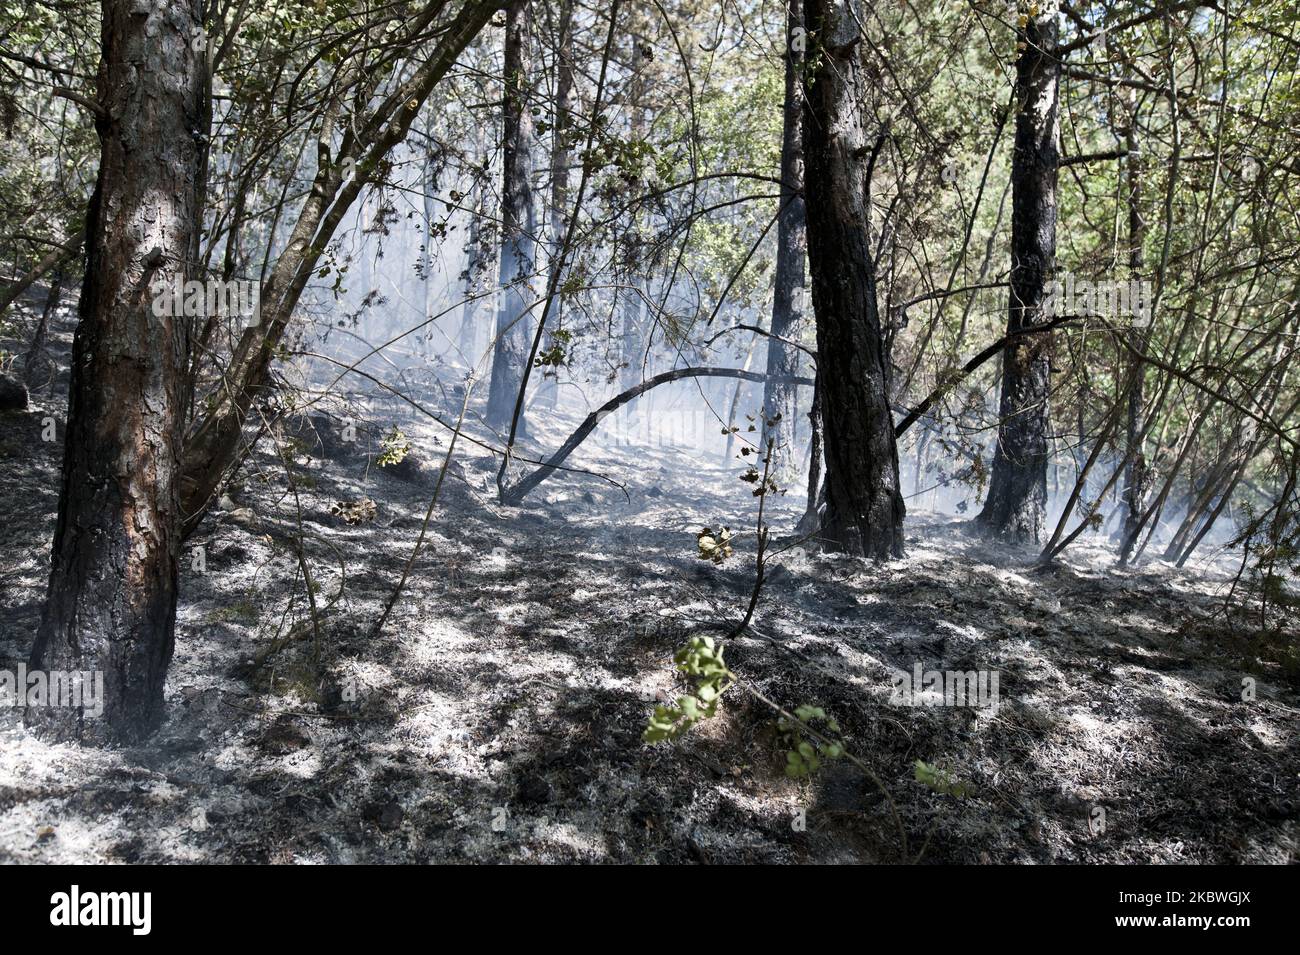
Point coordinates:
[[513, 495]]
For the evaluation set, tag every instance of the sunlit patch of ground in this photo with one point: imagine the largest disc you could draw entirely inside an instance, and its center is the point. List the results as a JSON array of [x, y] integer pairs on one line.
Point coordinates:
[[497, 716]]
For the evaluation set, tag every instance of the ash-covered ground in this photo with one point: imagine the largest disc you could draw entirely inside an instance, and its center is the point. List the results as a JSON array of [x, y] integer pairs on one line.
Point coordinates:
[[497, 716]]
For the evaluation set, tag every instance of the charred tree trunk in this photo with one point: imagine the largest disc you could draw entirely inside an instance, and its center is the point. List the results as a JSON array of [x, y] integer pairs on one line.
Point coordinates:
[[1135, 474], [864, 505], [518, 239], [1016, 507], [111, 604], [779, 404]]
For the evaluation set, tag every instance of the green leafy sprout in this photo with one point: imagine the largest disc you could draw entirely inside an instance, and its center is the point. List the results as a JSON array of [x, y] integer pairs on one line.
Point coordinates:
[[805, 753], [396, 446], [700, 658], [939, 780]]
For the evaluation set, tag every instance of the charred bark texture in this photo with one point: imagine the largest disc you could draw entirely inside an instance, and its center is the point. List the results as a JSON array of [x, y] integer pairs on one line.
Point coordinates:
[[1016, 507], [111, 604], [518, 240], [1135, 473], [864, 512]]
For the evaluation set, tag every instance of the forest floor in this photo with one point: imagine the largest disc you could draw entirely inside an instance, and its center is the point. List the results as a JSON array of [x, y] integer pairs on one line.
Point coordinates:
[[498, 715]]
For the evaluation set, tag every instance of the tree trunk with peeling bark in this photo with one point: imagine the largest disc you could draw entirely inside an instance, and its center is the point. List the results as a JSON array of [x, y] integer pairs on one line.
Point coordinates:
[[111, 603]]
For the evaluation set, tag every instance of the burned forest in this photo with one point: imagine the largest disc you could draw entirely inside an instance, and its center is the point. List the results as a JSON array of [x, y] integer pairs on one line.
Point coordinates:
[[650, 432]]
